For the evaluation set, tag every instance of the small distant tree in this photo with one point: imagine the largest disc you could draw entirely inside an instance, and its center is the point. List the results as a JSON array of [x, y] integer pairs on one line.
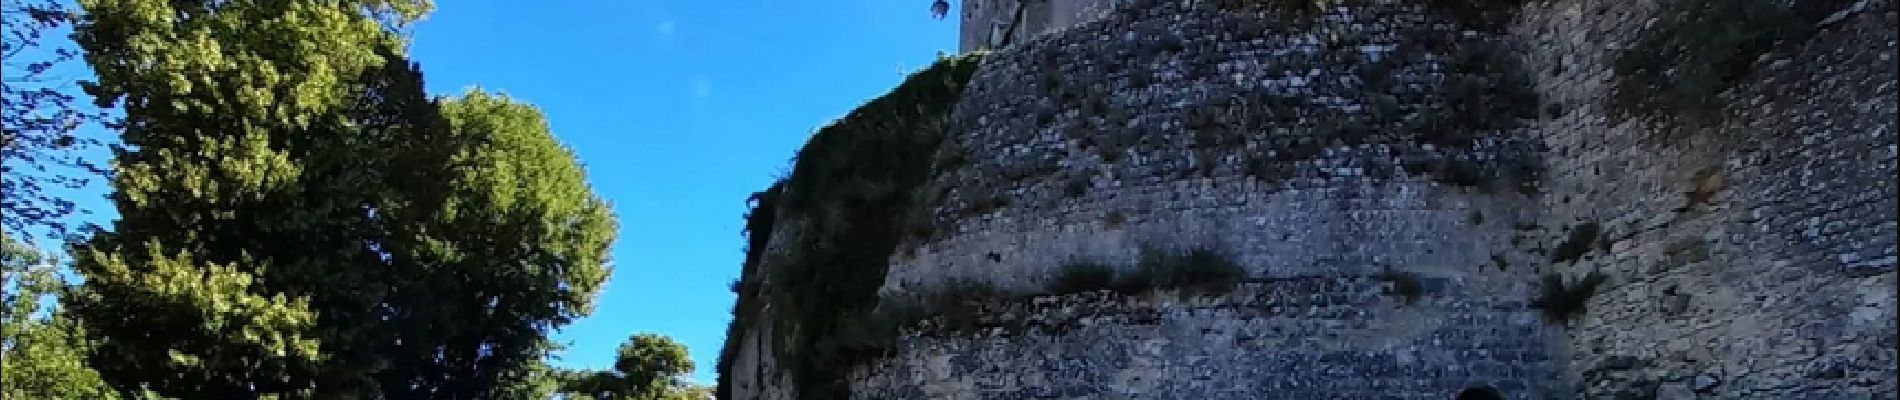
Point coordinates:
[[648, 367]]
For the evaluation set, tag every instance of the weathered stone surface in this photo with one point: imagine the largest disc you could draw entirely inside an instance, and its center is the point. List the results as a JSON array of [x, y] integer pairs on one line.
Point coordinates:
[[1290, 338], [1098, 142], [1165, 123], [1787, 270], [755, 371], [1170, 123]]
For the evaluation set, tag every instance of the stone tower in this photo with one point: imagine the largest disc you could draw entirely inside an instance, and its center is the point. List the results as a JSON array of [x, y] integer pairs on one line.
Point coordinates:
[[1401, 184], [1176, 125], [985, 24]]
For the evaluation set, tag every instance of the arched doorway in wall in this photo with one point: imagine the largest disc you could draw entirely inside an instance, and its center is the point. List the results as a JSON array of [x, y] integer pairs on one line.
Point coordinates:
[[1480, 392]]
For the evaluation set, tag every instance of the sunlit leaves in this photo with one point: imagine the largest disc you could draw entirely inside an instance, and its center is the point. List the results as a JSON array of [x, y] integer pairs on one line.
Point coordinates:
[[42, 350], [204, 321]]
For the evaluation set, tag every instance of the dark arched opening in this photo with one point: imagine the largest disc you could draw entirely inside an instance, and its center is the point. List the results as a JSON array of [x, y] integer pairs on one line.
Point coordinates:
[[1480, 393]]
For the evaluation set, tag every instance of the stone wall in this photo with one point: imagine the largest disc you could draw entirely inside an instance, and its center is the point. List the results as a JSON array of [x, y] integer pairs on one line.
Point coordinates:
[[1750, 259], [1296, 338], [1780, 285], [1299, 145], [750, 366], [1180, 124]]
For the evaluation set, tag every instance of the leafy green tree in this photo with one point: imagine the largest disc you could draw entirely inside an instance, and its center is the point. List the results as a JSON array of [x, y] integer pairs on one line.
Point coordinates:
[[204, 326], [648, 367], [508, 224], [690, 392], [651, 363], [299, 220], [236, 255], [531, 381], [42, 353]]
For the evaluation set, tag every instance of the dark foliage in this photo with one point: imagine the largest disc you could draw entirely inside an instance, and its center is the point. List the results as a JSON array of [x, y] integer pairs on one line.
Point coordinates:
[[1082, 276], [1486, 15], [1200, 269], [1581, 240], [760, 220], [856, 179], [1561, 301], [1404, 284]]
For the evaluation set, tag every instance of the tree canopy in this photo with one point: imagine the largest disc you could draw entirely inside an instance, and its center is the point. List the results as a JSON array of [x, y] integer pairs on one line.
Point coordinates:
[[298, 219]]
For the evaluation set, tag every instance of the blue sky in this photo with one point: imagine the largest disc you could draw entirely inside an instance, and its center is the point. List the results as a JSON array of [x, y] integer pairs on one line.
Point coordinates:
[[679, 110]]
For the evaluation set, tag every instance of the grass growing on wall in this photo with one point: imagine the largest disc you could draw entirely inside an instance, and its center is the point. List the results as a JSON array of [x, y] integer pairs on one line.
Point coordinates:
[[1196, 270], [1082, 276], [852, 186], [1404, 284], [1581, 240], [967, 305]]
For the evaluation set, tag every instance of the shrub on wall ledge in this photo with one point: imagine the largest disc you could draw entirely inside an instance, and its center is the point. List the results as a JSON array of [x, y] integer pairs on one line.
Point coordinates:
[[1196, 270]]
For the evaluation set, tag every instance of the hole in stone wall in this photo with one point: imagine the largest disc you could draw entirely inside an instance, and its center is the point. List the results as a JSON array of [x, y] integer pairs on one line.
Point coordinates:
[[1480, 393]]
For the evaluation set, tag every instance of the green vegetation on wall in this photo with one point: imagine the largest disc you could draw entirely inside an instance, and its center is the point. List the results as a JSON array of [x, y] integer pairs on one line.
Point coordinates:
[[852, 185], [1581, 240], [1562, 300], [1698, 49], [1202, 269]]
